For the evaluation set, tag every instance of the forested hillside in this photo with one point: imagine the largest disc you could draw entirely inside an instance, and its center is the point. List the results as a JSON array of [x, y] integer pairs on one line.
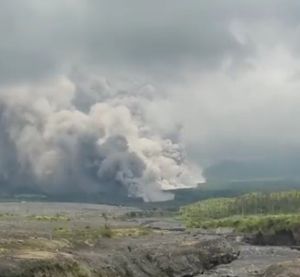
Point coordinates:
[[249, 204], [250, 212]]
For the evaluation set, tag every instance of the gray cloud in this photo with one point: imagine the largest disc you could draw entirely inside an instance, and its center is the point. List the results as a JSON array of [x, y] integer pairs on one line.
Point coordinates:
[[50, 145], [157, 37], [40, 38]]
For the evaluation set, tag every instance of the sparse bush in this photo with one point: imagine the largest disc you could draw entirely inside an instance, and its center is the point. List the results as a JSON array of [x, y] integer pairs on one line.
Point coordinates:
[[105, 216], [56, 217], [106, 231]]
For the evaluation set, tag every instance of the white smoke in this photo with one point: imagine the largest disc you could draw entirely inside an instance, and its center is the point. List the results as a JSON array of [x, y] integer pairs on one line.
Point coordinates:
[[83, 135]]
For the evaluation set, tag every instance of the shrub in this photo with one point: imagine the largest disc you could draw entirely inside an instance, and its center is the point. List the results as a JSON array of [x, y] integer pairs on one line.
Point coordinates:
[[106, 231]]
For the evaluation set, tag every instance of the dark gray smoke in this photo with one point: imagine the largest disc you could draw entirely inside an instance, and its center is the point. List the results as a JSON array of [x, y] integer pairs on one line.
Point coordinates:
[[54, 142]]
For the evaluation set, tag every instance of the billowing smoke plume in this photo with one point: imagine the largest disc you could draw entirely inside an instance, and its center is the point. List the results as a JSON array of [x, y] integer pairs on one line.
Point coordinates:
[[85, 136]]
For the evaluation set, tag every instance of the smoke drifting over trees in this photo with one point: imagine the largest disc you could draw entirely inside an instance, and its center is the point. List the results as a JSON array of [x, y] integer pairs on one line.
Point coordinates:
[[64, 136]]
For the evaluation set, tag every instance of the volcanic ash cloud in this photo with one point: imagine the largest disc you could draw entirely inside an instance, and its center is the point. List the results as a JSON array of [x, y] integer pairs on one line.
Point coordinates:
[[58, 138]]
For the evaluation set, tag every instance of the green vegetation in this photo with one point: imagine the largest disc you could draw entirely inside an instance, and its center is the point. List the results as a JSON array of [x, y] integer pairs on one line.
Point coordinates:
[[253, 223], [54, 267], [56, 217], [248, 204], [7, 215], [253, 211], [91, 235], [32, 244], [106, 231]]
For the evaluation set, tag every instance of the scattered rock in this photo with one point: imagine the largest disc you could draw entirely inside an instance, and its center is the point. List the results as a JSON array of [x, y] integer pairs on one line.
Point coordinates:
[[253, 261], [280, 238], [284, 269], [176, 255]]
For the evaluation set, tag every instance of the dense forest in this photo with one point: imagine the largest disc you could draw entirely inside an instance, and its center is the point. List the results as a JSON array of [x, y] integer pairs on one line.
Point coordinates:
[[248, 204], [252, 211]]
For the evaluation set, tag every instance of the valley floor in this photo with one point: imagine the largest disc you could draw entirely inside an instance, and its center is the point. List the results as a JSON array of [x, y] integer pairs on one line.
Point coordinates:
[[61, 239]]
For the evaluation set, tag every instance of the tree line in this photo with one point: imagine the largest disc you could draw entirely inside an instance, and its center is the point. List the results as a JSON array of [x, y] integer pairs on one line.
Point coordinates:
[[248, 204]]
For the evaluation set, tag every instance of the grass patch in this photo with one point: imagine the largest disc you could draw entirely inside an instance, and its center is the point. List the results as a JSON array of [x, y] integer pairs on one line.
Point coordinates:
[[7, 215], [89, 234], [56, 217], [31, 245], [263, 223], [131, 232], [106, 231]]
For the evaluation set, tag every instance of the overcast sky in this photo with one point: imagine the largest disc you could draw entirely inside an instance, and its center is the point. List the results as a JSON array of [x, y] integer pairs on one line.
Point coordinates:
[[225, 73]]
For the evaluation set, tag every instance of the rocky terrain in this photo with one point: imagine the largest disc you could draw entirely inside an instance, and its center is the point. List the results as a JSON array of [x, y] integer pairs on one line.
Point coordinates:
[[256, 261], [83, 240], [284, 269], [51, 239], [156, 255], [287, 237]]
